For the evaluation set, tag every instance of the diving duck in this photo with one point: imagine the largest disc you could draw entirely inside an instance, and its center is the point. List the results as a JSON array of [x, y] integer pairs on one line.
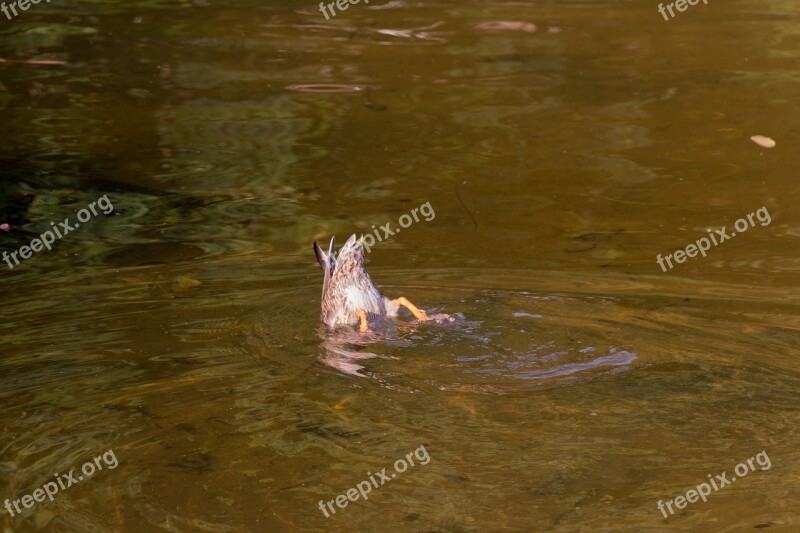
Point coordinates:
[[348, 295]]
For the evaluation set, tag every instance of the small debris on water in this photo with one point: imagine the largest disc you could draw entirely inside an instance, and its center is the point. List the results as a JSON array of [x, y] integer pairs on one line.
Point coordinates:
[[512, 25], [763, 141]]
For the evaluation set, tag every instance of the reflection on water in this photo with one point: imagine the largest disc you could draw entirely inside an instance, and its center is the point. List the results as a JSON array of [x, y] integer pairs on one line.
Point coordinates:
[[564, 146], [496, 348]]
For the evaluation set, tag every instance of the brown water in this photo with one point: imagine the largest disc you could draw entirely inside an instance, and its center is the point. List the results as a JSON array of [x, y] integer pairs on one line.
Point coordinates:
[[579, 385]]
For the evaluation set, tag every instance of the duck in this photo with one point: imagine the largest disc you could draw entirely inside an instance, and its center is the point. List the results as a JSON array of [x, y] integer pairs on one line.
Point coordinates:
[[348, 295]]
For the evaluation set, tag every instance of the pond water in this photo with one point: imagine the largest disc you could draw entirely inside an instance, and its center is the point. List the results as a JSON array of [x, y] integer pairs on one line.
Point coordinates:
[[561, 147]]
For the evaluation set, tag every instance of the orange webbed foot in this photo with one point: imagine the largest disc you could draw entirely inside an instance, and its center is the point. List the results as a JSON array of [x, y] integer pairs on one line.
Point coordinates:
[[416, 311], [362, 317], [422, 315]]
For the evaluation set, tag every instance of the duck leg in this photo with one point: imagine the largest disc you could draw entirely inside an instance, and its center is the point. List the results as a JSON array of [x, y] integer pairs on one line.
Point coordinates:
[[362, 316], [422, 315], [417, 312]]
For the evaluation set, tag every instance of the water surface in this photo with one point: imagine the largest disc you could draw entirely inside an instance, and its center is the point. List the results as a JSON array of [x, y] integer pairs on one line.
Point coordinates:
[[562, 146]]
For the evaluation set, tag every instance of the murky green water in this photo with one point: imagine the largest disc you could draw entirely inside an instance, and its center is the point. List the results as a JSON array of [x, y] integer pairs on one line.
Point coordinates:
[[562, 145]]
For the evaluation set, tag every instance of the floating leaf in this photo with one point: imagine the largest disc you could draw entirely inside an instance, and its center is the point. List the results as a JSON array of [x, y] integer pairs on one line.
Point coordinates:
[[760, 140], [512, 25]]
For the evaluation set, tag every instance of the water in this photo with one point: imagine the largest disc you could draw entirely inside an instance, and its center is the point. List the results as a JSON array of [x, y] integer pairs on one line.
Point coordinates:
[[562, 146]]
